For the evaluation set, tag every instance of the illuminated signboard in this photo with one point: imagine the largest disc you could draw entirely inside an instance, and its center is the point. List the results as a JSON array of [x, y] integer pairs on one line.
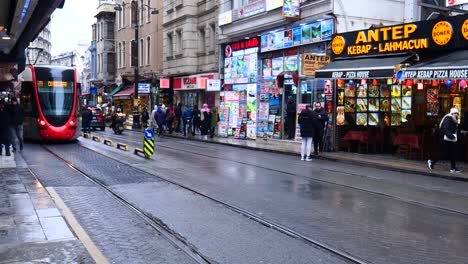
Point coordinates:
[[455, 2], [314, 32], [241, 61], [437, 34], [53, 84], [292, 8], [273, 4]]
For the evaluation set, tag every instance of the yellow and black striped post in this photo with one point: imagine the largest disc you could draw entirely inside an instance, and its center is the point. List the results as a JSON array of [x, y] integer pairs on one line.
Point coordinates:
[[148, 143]]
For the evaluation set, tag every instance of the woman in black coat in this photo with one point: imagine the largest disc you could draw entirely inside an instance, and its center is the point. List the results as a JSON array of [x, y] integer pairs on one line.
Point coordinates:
[[448, 139], [306, 123], [4, 129]]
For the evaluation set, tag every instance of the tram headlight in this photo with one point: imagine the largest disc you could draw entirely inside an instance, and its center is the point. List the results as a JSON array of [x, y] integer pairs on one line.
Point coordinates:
[[72, 122], [41, 122]]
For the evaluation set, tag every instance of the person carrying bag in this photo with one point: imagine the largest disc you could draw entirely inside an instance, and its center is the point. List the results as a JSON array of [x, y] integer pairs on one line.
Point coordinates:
[[448, 135]]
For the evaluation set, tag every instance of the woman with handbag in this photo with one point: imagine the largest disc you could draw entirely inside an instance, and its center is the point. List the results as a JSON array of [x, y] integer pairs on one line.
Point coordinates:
[[448, 138]]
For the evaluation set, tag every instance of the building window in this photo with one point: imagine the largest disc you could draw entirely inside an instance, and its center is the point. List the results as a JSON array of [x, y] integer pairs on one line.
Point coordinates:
[[119, 58], [110, 30], [201, 40], [110, 63], [124, 54], [142, 12], [148, 51], [170, 45], [141, 53], [148, 19], [213, 36], [180, 42], [123, 16], [119, 20]]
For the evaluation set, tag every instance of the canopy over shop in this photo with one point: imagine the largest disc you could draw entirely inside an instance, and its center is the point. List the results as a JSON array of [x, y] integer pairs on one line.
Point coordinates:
[[397, 82]]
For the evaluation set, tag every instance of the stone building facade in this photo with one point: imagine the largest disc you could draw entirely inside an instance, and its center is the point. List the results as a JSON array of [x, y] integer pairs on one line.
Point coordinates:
[[38, 51], [190, 49], [104, 37]]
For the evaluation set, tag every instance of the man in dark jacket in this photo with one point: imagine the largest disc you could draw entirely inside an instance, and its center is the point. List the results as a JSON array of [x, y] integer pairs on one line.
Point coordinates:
[[196, 114], [448, 139], [86, 117], [319, 127], [145, 117], [16, 123], [178, 116], [4, 129], [306, 123], [160, 118], [291, 117]]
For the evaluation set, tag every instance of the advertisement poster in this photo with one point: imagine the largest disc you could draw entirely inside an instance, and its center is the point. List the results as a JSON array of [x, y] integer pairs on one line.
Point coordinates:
[[223, 114], [233, 116], [279, 42], [273, 4], [312, 62], [290, 63], [251, 130], [252, 65], [267, 67], [288, 38], [327, 29], [252, 98], [222, 129], [296, 36], [263, 111], [306, 34], [316, 32], [292, 8], [262, 128], [300, 108], [277, 66], [455, 2], [227, 68]]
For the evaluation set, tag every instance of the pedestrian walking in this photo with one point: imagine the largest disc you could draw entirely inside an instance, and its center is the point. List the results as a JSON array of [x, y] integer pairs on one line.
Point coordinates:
[[319, 127], [170, 118], [448, 140], [205, 120], [145, 117], [214, 120], [178, 117], [160, 118], [86, 117], [4, 129], [187, 118], [306, 124], [291, 113], [16, 124], [196, 115], [152, 118]]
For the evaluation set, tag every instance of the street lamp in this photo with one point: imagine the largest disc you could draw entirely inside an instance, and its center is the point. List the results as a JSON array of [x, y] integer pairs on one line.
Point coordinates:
[[135, 58]]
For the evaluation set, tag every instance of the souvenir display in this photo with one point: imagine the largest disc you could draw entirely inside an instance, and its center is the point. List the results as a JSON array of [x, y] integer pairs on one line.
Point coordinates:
[[373, 119], [361, 119]]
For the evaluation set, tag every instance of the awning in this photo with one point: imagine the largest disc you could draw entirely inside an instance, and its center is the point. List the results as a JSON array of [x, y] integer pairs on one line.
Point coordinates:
[[368, 68], [116, 90], [453, 65], [124, 94]]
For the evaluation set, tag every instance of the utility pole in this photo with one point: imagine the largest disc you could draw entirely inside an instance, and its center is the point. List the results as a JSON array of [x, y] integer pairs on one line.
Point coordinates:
[[136, 115]]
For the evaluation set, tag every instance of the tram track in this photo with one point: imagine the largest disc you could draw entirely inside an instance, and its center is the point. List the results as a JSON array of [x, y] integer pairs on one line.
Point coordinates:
[[177, 240], [131, 141], [153, 222]]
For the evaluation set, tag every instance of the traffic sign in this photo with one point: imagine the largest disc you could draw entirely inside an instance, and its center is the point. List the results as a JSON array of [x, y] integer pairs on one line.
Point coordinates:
[[149, 133], [148, 142]]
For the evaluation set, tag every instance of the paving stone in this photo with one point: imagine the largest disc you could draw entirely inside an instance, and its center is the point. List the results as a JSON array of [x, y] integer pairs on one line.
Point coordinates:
[[55, 228]]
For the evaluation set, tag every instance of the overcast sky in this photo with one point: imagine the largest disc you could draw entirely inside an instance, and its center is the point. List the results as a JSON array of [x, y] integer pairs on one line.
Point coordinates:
[[71, 26]]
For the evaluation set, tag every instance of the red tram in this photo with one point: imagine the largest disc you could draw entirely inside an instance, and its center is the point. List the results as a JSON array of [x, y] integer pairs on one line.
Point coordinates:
[[50, 97]]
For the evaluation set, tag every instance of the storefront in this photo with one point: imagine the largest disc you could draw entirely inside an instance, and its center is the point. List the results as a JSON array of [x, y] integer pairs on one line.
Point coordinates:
[[288, 59], [192, 90], [394, 84], [238, 110]]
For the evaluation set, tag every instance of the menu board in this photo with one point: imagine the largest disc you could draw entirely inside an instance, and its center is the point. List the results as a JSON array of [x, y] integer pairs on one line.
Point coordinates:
[[314, 32], [373, 105]]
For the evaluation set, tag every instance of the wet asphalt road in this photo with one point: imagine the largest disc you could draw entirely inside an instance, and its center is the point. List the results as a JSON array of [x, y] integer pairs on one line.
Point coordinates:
[[375, 215]]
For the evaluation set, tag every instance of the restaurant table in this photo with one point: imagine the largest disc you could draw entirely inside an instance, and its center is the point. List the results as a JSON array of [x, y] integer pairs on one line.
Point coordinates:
[[407, 139], [361, 136]]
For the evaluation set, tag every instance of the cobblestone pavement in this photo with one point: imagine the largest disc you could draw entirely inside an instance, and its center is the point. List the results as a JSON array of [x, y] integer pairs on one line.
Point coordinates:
[[118, 233], [303, 196], [32, 229], [217, 232]]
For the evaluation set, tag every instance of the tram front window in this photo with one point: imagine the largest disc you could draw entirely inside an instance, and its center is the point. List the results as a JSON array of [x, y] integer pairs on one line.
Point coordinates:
[[56, 94]]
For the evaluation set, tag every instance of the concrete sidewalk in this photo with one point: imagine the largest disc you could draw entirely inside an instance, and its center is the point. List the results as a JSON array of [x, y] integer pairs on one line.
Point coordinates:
[[387, 161], [32, 229]]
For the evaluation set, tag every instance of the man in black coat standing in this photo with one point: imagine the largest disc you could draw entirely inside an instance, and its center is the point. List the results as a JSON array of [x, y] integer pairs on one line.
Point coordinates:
[[4, 129], [291, 113], [306, 123], [319, 127], [16, 123], [86, 117]]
